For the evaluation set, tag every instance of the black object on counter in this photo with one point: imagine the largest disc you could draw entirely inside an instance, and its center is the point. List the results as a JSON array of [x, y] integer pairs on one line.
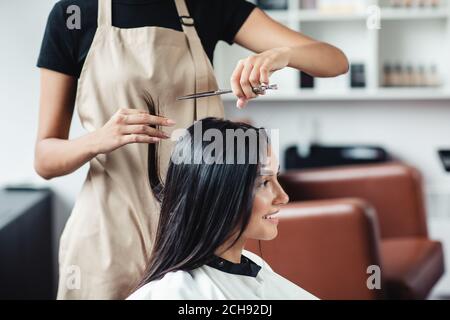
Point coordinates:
[[445, 158], [329, 156], [25, 244]]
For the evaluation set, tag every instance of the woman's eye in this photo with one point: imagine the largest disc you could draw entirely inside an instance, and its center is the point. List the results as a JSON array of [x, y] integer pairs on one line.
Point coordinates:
[[263, 183]]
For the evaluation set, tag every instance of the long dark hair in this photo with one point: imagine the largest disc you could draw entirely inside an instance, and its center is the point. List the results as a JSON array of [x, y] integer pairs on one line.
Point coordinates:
[[204, 204]]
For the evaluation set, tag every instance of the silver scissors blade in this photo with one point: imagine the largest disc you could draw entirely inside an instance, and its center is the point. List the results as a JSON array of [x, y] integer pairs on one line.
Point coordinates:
[[258, 90], [204, 94]]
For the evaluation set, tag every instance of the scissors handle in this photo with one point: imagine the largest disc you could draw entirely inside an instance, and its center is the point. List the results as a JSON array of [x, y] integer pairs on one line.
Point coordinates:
[[262, 88], [258, 90]]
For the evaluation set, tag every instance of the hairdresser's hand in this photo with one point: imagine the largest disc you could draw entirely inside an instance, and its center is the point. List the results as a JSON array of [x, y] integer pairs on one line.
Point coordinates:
[[256, 70], [129, 126]]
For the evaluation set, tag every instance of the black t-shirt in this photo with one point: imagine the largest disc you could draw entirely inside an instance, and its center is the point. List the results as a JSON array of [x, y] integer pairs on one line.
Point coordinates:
[[65, 50]]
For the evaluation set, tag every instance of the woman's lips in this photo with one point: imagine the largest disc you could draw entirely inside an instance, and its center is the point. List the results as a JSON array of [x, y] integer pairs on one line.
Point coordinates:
[[271, 217]]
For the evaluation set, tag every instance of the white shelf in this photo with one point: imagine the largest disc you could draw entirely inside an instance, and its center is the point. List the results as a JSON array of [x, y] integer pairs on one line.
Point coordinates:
[[354, 94], [414, 36], [386, 14], [414, 93]]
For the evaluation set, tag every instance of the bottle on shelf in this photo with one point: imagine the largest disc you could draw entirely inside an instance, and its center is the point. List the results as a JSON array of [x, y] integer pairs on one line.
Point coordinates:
[[407, 3], [422, 76], [395, 3], [416, 77], [433, 77], [387, 75], [435, 3], [397, 75], [308, 4], [408, 80]]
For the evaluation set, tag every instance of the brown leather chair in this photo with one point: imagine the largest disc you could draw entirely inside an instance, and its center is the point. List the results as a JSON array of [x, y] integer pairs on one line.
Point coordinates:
[[411, 263], [325, 247]]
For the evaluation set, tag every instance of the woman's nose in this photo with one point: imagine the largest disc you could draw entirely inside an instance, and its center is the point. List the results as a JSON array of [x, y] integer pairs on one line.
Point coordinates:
[[282, 197]]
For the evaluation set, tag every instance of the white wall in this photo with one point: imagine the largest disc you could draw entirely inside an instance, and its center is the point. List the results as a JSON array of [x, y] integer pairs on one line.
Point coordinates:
[[410, 130], [22, 24], [22, 27]]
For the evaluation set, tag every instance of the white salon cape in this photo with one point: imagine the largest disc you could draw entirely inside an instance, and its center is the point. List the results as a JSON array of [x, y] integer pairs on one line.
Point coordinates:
[[252, 279]]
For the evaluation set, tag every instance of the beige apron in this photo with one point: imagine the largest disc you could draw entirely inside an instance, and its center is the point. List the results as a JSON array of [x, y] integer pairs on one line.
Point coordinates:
[[109, 235]]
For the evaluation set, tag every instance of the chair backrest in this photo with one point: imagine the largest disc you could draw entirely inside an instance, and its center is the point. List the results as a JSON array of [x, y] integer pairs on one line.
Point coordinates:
[[394, 189], [325, 247]]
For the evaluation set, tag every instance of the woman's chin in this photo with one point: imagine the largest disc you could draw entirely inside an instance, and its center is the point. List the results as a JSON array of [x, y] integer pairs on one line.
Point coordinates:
[[269, 234], [265, 231]]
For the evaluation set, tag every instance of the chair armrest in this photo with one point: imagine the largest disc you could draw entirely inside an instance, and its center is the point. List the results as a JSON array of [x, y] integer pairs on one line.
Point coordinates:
[[325, 247], [394, 189]]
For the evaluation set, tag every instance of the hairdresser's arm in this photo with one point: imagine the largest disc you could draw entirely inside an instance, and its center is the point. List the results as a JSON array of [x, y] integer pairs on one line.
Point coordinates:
[[55, 155], [276, 46]]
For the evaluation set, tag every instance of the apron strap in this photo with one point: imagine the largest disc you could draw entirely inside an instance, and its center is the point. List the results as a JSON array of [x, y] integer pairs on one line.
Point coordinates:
[[104, 13], [198, 56]]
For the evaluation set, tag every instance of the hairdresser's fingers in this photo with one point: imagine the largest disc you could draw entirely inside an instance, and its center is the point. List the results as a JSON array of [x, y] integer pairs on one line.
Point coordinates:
[[130, 111], [145, 118], [241, 103], [143, 129], [138, 138], [245, 79], [254, 77], [264, 74], [235, 78]]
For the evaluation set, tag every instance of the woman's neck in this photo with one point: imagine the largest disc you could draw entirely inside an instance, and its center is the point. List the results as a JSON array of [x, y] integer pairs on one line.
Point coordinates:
[[232, 253]]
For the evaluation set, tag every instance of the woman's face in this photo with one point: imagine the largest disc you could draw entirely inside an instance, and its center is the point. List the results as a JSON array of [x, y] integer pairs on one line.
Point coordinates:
[[269, 196]]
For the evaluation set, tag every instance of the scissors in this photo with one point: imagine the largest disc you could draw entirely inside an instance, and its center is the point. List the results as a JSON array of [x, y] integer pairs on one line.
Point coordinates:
[[258, 90]]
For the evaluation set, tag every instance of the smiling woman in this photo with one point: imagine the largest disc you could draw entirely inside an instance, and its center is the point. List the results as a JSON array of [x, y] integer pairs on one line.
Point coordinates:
[[208, 212]]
